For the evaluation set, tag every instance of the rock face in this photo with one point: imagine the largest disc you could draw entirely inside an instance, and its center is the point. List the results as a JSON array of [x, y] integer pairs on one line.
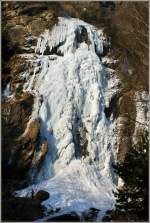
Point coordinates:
[[21, 26], [21, 209], [15, 115], [25, 150]]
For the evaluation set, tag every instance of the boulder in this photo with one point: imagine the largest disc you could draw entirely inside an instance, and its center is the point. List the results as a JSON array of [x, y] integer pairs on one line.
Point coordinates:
[[70, 217], [32, 130], [21, 209], [42, 195]]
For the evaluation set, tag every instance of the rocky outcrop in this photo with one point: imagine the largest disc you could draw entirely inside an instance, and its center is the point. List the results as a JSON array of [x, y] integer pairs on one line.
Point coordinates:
[[15, 115], [40, 154], [21, 153], [119, 217], [90, 215], [80, 139], [20, 28], [21, 209], [26, 149], [125, 123], [41, 195], [87, 216]]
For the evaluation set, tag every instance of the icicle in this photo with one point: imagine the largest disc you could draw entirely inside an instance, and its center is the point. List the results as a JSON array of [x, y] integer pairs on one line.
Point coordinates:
[[65, 30]]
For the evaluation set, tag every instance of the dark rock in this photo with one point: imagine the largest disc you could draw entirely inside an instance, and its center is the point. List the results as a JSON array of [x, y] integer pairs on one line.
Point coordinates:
[[57, 210], [70, 217], [91, 214], [21, 209], [120, 216], [55, 50], [32, 10], [112, 107], [106, 49], [22, 50], [82, 36], [14, 121], [107, 4], [42, 195], [80, 141]]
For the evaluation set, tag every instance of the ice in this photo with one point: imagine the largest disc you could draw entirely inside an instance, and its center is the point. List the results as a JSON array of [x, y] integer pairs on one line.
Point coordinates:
[[7, 91], [75, 88], [77, 187], [65, 32]]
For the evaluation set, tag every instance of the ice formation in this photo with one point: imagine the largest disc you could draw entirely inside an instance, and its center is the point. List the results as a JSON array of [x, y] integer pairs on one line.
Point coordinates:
[[7, 91], [75, 88]]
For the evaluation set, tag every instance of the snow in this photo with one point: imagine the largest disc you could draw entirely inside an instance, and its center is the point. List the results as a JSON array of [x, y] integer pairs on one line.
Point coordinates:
[[120, 182], [74, 86], [77, 187], [107, 60]]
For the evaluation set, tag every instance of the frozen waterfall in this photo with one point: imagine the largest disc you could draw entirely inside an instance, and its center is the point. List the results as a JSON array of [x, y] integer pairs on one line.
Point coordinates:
[[75, 88]]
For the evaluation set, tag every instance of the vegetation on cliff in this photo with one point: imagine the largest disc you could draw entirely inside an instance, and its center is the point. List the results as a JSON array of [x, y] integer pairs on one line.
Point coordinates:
[[132, 197]]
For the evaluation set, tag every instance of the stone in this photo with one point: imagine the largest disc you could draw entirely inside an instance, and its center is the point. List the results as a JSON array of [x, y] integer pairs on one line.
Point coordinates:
[[21, 209], [41, 195], [40, 155], [70, 217]]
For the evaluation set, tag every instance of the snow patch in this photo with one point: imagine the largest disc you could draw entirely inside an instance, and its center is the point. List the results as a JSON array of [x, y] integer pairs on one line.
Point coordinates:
[[142, 118]]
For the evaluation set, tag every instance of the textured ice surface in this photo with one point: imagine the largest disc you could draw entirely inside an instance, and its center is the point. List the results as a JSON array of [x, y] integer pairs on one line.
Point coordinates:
[[77, 187], [75, 88], [64, 35], [7, 91]]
